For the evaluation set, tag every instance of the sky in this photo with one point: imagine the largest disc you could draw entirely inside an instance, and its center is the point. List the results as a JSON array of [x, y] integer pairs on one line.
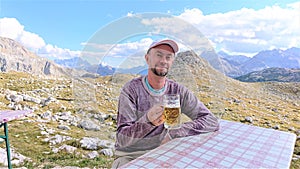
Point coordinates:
[[61, 29]]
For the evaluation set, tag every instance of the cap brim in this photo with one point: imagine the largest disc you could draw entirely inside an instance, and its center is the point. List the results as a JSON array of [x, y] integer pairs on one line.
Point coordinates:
[[171, 43]]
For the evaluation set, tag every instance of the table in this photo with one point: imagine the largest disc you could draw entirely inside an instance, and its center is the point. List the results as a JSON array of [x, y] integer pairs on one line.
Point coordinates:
[[235, 145], [5, 117]]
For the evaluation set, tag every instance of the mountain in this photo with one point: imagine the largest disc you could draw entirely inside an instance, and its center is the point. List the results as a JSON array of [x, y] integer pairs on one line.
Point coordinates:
[[289, 58], [227, 64], [272, 74], [80, 64], [234, 60], [238, 65], [76, 62], [15, 57]]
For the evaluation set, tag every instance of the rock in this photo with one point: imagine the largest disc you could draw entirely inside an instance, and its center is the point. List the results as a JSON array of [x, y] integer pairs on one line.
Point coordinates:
[[31, 99], [67, 148], [105, 144], [88, 125], [46, 115], [15, 98], [57, 139], [47, 101], [248, 119], [69, 167], [291, 128], [296, 157], [92, 154], [107, 152], [18, 159], [63, 127], [276, 127], [89, 143]]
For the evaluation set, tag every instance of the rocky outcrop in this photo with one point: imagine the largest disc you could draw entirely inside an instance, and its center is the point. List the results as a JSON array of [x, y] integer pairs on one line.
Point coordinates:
[[15, 57]]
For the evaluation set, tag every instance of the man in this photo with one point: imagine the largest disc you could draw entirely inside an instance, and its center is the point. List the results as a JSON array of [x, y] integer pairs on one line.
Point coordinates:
[[140, 121]]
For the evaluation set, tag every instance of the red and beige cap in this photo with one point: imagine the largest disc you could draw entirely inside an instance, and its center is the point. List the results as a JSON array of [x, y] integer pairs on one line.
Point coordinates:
[[169, 42]]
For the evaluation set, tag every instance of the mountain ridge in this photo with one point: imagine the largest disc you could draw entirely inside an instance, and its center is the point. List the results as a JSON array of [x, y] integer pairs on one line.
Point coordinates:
[[272, 74], [15, 57], [231, 65]]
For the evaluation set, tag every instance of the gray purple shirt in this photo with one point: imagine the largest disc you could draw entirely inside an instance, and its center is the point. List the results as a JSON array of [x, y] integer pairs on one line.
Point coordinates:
[[136, 133]]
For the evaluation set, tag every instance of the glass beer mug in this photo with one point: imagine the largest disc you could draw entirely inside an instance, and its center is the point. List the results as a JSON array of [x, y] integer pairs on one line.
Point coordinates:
[[172, 111]]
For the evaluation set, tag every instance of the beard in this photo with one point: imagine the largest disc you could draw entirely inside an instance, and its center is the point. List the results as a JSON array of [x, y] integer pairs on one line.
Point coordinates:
[[159, 73]]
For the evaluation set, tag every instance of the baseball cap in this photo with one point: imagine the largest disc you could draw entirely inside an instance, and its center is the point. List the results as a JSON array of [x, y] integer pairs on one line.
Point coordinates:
[[169, 42]]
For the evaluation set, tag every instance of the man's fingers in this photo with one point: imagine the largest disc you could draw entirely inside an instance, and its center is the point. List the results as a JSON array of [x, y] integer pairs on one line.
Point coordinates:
[[159, 121], [155, 115]]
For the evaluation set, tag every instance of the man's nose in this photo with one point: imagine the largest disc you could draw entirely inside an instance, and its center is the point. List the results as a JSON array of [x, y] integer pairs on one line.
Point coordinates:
[[163, 59]]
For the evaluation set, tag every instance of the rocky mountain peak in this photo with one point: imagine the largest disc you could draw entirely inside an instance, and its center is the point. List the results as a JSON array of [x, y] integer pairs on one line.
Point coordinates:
[[15, 57], [13, 48]]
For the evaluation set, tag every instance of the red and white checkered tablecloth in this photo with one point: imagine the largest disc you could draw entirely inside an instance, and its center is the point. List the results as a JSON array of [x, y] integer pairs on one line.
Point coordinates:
[[8, 115], [235, 145]]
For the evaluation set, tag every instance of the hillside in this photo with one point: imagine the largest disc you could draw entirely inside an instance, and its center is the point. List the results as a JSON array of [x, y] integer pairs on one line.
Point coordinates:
[[72, 114]]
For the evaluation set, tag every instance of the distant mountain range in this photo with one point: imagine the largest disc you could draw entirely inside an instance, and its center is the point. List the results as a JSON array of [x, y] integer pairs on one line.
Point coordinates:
[[241, 65], [231, 65], [272, 74]]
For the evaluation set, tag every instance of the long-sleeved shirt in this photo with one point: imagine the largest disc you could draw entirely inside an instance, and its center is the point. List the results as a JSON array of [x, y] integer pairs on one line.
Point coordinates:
[[136, 133]]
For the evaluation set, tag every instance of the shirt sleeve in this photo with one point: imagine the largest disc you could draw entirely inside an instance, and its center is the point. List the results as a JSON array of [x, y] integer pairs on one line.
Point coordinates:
[[132, 126], [202, 119]]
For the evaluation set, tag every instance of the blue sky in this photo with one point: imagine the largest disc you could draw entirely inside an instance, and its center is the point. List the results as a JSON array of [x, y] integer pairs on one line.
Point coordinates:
[[62, 28]]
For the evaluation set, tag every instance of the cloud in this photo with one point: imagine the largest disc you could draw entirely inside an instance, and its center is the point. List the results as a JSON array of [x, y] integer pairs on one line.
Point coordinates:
[[54, 52], [12, 28], [129, 54], [247, 30]]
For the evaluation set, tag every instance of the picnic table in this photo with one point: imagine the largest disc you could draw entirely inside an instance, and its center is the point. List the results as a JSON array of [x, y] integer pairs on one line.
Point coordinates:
[[235, 145], [5, 117]]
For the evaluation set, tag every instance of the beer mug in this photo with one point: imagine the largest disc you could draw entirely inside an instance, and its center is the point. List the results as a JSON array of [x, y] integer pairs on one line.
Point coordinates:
[[172, 111]]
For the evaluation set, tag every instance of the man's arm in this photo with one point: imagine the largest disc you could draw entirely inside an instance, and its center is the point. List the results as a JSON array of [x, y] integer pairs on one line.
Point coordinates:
[[203, 120], [132, 125]]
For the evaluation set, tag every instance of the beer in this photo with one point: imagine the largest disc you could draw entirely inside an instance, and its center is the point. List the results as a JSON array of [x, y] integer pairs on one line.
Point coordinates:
[[172, 117], [172, 111]]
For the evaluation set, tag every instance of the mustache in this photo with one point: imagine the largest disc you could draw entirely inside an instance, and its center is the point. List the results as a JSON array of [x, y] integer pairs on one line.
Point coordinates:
[[161, 66]]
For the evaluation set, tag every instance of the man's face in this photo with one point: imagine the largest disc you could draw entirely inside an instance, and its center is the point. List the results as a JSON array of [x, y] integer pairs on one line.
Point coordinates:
[[160, 59]]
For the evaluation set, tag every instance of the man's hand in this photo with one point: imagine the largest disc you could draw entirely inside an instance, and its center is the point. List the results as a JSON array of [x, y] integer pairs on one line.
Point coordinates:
[[155, 115]]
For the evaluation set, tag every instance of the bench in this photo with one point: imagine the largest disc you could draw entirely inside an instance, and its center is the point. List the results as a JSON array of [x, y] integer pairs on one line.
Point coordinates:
[[5, 117]]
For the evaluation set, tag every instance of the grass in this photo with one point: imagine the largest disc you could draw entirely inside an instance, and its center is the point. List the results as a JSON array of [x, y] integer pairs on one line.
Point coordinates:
[[26, 139]]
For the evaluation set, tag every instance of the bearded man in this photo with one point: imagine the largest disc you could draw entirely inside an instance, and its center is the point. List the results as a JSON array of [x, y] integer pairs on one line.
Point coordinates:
[[140, 112]]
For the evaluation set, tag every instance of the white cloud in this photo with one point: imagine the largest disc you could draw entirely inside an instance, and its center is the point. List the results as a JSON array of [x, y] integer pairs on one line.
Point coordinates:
[[12, 28], [31, 40], [247, 30], [55, 52], [130, 14]]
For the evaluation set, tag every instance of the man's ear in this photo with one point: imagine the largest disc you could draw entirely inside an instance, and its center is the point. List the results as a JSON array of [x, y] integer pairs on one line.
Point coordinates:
[[147, 57]]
